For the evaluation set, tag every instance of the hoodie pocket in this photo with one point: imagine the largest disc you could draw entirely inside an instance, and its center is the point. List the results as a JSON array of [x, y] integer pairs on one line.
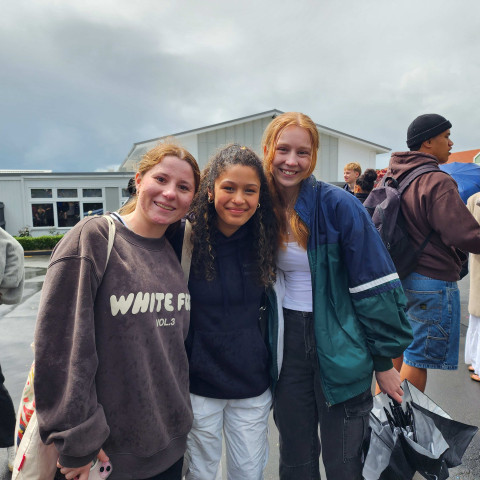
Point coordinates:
[[234, 363]]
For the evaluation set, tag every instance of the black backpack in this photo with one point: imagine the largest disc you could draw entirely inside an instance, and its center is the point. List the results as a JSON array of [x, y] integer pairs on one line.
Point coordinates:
[[383, 205]]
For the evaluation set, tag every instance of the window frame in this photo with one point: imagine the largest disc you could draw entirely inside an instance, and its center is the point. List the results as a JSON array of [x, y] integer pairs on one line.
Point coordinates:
[[55, 199]]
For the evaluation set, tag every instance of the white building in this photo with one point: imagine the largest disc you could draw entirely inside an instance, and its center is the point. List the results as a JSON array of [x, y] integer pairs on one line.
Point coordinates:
[[336, 148], [56, 201], [46, 201]]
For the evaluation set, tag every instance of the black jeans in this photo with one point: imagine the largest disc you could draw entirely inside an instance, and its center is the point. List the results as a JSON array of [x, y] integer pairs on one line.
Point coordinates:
[[7, 416], [172, 473], [300, 406]]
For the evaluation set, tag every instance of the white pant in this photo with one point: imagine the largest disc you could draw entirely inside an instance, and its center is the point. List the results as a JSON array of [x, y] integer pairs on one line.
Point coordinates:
[[472, 343], [245, 425]]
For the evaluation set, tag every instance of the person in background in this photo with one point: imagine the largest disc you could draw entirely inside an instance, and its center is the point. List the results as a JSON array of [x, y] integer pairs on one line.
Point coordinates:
[[433, 212], [472, 341], [12, 275], [111, 375], [131, 189], [234, 235], [351, 172], [365, 184], [337, 314]]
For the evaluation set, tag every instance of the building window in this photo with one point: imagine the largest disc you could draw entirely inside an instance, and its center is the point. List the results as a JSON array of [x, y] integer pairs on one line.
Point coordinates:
[[67, 193], [67, 208], [90, 209], [92, 192], [42, 215], [41, 193], [68, 213]]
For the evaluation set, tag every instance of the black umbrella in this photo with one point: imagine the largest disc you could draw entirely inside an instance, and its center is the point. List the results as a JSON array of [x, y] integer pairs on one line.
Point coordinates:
[[415, 436]]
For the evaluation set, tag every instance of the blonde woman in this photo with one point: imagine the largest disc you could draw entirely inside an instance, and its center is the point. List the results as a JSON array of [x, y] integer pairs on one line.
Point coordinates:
[[111, 369]]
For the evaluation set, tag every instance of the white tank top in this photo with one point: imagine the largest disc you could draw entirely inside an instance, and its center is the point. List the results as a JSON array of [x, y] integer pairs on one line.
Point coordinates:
[[293, 260]]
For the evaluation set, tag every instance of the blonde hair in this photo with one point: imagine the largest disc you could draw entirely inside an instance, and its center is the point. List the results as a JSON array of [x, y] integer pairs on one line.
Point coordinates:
[[152, 158], [354, 166], [269, 143]]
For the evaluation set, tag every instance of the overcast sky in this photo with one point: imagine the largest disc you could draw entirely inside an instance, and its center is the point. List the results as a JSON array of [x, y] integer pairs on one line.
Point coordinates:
[[81, 81]]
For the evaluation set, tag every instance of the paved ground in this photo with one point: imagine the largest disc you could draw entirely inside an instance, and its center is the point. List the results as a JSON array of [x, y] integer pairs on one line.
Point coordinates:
[[453, 391]]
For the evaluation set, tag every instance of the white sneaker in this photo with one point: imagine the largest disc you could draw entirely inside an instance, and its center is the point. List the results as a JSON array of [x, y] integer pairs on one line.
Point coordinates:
[[11, 457]]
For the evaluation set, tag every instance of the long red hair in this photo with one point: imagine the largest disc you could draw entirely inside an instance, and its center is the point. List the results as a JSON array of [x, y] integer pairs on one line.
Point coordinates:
[[269, 143]]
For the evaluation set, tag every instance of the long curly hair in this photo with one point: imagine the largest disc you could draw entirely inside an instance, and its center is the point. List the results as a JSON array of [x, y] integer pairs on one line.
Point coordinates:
[[262, 225], [269, 144]]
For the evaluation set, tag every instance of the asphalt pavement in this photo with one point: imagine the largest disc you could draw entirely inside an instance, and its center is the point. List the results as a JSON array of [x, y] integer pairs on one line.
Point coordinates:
[[454, 391]]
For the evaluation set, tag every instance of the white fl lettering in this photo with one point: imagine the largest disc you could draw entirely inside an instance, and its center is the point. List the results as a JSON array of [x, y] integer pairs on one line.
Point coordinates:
[[141, 302]]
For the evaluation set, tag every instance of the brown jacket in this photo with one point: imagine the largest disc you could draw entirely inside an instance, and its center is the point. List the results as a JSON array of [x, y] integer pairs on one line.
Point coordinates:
[[431, 202]]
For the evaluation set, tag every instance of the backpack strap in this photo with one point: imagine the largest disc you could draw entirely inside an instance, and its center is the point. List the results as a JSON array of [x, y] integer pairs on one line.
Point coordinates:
[[425, 242], [187, 250], [412, 175], [111, 236], [405, 182], [386, 179]]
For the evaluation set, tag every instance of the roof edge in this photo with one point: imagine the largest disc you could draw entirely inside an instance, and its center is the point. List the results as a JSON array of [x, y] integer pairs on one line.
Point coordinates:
[[214, 125]]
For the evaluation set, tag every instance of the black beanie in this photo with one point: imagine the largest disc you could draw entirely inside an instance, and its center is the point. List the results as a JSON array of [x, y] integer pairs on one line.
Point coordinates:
[[426, 127]]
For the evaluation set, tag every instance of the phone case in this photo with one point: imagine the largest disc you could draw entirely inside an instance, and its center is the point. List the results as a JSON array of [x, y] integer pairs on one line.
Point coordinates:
[[100, 470]]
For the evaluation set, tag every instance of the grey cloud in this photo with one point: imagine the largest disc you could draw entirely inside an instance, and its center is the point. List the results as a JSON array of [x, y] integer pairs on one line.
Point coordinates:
[[82, 82]]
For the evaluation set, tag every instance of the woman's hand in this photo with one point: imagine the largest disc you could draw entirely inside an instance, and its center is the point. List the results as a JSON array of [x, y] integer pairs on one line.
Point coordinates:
[[389, 383], [77, 473], [81, 473]]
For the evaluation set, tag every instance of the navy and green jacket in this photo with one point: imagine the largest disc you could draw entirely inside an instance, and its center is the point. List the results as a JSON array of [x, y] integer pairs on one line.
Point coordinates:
[[358, 301]]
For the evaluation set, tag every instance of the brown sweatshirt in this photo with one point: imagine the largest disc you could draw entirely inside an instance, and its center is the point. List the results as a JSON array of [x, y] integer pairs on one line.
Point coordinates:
[[111, 367], [431, 202]]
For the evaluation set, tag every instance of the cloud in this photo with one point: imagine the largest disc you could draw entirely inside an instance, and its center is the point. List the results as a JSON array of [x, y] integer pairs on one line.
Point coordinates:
[[83, 81]]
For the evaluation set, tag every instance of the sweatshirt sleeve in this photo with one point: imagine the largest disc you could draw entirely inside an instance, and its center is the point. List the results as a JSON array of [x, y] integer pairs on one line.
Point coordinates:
[[375, 289], [66, 359], [451, 219], [11, 269]]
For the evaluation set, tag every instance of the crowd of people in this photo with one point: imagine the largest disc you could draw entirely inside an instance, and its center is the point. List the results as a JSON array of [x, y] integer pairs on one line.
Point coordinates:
[[249, 286]]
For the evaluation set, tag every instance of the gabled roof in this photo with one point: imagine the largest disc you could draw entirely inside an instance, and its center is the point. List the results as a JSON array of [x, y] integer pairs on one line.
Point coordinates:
[[215, 126], [269, 113], [466, 156]]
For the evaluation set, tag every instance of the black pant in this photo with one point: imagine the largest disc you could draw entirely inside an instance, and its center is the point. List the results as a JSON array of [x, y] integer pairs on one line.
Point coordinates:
[[7, 416], [173, 473], [299, 406]]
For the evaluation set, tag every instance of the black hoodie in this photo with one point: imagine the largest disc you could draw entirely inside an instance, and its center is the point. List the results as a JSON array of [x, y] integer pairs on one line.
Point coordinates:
[[227, 355]]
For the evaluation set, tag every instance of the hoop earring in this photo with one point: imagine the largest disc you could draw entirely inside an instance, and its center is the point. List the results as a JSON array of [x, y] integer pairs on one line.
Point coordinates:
[[209, 198], [258, 206]]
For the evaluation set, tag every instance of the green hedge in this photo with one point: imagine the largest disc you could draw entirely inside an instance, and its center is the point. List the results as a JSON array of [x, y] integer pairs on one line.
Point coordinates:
[[46, 242]]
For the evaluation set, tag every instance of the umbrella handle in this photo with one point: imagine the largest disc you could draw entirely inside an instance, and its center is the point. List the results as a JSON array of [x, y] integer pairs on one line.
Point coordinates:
[[390, 419]]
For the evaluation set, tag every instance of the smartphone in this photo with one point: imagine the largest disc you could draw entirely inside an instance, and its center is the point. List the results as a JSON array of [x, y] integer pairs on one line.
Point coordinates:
[[100, 470]]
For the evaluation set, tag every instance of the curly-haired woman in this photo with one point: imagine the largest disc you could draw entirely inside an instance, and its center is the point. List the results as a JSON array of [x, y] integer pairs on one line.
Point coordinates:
[[365, 184], [234, 238]]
